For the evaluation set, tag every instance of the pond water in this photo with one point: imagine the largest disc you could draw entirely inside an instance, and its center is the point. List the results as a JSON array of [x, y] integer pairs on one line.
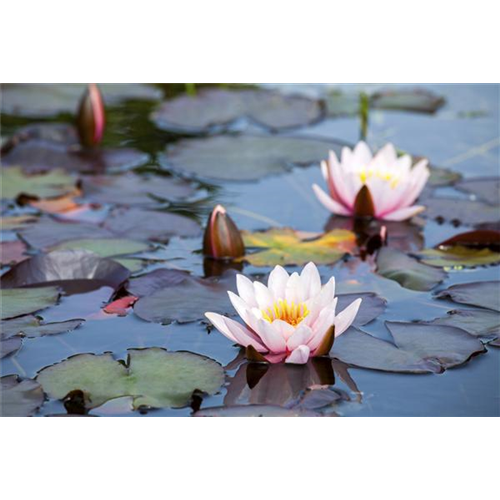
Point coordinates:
[[462, 136]]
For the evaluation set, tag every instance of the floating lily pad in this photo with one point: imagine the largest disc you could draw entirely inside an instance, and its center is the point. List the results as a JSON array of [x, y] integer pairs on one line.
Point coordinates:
[[41, 100], [9, 342], [35, 156], [154, 377], [477, 322], [414, 100], [372, 306], [243, 158], [12, 252], [441, 177], [105, 247], [477, 238], [459, 256], [20, 398], [153, 281], [52, 184], [150, 225], [78, 270], [486, 189], [18, 302], [32, 327], [131, 189], [286, 247], [448, 345], [409, 273], [481, 294], [17, 222], [466, 212], [216, 110], [187, 300], [254, 411], [360, 349], [48, 233]]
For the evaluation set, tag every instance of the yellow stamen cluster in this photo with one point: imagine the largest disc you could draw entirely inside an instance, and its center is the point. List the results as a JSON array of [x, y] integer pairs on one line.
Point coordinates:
[[368, 173], [291, 313]]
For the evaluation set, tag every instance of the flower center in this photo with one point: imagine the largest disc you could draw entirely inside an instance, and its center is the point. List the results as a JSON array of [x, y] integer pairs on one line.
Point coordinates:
[[291, 313], [367, 173]]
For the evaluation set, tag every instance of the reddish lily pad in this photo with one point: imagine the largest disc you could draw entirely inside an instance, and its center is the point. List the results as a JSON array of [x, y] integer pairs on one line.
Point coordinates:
[[243, 158], [459, 257], [409, 273], [20, 398], [12, 252], [78, 270], [484, 294], [187, 300], [477, 238], [217, 110]]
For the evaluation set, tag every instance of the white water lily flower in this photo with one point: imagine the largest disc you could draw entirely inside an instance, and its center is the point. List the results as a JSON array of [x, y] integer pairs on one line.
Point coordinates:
[[292, 318], [382, 186]]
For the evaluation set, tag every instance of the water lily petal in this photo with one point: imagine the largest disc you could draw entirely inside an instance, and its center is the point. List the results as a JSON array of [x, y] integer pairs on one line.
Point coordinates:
[[246, 290], [329, 203], [270, 336], [311, 280], [293, 290], [301, 336], [277, 281], [263, 295], [299, 356], [285, 329], [344, 319]]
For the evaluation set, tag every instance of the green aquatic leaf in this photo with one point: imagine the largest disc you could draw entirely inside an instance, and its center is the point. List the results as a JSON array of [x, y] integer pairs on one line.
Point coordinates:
[[16, 302], [154, 377], [458, 257]]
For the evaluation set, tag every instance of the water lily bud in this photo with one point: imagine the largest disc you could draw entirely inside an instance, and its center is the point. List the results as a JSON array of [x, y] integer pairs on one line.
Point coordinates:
[[91, 118], [222, 238]]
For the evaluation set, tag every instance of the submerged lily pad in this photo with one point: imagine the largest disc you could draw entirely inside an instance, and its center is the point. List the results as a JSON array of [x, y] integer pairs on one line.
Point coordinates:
[[486, 189], [286, 246], [477, 322], [32, 327], [154, 377], [41, 100], [150, 225], [459, 256], [132, 189], [243, 158], [215, 110], [71, 269], [52, 184], [484, 294], [409, 273], [24, 301], [186, 300], [20, 398]]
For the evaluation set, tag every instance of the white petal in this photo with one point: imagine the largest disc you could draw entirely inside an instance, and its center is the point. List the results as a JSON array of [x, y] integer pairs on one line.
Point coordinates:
[[329, 203], [263, 296], [299, 356], [293, 291], [344, 319], [301, 336], [277, 282], [270, 336], [311, 280], [285, 329], [243, 310], [246, 290]]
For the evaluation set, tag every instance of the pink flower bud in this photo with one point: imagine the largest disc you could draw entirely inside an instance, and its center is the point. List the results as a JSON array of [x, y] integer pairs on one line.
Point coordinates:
[[222, 238], [91, 117]]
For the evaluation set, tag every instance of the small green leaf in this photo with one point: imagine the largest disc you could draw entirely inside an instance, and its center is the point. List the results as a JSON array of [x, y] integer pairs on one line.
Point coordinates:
[[19, 301]]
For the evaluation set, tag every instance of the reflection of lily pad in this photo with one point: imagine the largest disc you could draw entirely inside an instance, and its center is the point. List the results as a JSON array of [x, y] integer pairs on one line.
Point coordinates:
[[217, 109], [78, 269], [132, 189], [18, 302], [481, 293], [477, 322], [20, 398], [285, 247], [52, 184], [150, 225], [153, 377], [243, 158], [459, 256], [187, 300], [45, 99], [409, 273]]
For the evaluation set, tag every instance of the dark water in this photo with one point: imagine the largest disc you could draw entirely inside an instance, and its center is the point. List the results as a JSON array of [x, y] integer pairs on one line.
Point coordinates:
[[462, 136]]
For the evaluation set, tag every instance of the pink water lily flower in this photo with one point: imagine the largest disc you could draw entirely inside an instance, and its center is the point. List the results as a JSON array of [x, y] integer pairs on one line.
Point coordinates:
[[292, 318], [382, 186]]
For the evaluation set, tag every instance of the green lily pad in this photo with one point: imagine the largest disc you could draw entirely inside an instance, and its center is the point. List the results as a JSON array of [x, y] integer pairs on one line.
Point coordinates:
[[414, 100], [42, 100], [286, 246], [215, 110], [16, 302], [49, 185], [459, 257], [32, 327], [243, 158], [154, 377], [105, 247], [481, 294], [20, 398], [442, 177], [409, 273]]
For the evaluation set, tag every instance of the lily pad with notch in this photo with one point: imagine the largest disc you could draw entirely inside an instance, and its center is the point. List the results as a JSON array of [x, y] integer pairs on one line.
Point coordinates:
[[485, 294], [154, 377]]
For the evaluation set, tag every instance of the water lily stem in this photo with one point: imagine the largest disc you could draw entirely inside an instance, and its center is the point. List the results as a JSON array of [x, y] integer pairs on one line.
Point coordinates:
[[364, 110], [190, 89]]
